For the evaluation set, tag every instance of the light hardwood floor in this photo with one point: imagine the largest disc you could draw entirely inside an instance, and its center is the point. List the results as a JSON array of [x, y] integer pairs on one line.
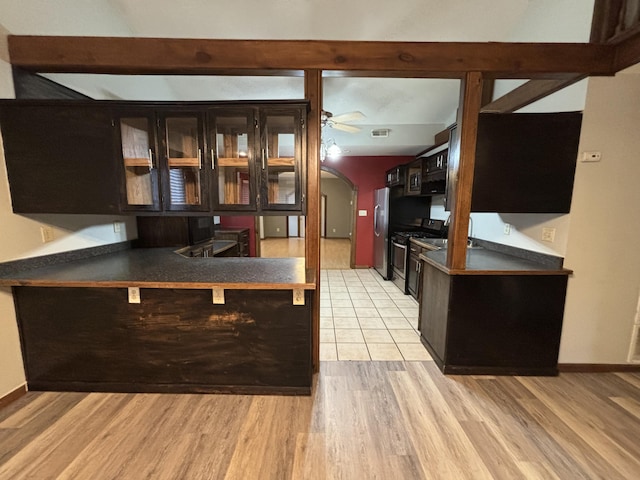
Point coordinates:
[[335, 253], [365, 420]]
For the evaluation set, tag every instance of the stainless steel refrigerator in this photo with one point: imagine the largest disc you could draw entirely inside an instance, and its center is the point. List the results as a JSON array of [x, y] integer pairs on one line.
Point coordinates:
[[381, 233]]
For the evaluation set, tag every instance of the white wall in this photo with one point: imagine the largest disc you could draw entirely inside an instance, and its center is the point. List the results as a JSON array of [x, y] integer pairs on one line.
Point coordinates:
[[564, 21], [20, 238], [602, 247]]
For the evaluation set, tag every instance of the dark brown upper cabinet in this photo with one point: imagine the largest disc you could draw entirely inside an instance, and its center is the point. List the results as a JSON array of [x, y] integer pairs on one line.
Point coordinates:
[[163, 161], [282, 146], [155, 158], [185, 171], [257, 157], [137, 155], [232, 139], [524, 162], [59, 156]]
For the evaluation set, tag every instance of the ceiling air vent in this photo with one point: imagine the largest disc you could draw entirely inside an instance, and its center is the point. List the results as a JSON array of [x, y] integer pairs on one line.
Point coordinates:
[[380, 133]]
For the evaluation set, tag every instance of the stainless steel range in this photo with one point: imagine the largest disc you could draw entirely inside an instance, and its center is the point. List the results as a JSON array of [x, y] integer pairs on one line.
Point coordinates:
[[400, 244]]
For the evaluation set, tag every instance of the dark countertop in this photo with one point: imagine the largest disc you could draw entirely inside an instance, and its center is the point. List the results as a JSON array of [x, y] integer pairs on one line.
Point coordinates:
[[430, 243], [216, 246], [482, 261], [163, 268]]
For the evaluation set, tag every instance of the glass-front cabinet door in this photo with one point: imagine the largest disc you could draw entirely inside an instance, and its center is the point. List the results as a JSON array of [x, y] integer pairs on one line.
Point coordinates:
[[232, 134], [137, 149], [185, 181], [281, 158]]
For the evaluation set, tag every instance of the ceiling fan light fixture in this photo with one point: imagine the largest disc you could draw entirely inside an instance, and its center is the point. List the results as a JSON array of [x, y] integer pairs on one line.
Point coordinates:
[[329, 149], [333, 150]]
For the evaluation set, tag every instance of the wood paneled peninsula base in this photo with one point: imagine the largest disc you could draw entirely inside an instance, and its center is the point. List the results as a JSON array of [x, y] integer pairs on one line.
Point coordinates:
[[501, 316], [82, 334]]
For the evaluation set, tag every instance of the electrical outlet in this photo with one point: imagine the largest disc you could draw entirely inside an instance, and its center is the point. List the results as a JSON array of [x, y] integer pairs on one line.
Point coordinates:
[[334, 230], [218, 296], [362, 213], [116, 227], [277, 229], [591, 156], [298, 296], [134, 294], [47, 234], [507, 229], [548, 234]]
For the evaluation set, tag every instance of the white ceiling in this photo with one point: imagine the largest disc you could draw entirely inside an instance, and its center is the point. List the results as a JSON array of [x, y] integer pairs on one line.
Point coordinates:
[[413, 109]]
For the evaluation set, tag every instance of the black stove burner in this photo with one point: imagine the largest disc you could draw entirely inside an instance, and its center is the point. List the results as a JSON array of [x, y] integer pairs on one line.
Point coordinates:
[[429, 229], [403, 237]]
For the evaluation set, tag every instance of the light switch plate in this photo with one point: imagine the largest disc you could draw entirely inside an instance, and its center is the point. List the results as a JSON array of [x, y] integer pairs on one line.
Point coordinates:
[[134, 294], [47, 234], [298, 296], [218, 296]]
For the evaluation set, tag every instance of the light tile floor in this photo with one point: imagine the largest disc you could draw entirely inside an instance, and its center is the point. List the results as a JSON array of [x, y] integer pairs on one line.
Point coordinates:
[[363, 317]]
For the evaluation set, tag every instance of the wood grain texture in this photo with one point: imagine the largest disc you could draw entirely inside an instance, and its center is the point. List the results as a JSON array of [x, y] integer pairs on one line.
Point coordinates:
[[528, 93], [369, 420], [463, 168], [173, 341], [313, 93], [12, 396], [208, 56]]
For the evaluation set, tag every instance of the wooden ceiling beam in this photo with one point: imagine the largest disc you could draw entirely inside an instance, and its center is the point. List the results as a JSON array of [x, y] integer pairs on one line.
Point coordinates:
[[528, 93], [627, 52], [126, 55]]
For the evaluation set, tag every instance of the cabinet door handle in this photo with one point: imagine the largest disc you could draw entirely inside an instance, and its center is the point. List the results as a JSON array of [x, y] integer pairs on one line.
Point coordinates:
[[200, 159], [263, 155], [151, 167], [213, 159]]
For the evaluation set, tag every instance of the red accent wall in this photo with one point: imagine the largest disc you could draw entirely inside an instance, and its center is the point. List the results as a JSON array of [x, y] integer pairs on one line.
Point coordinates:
[[367, 174], [242, 221]]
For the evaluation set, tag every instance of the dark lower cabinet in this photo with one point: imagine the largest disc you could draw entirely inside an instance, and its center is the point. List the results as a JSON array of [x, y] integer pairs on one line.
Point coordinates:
[[492, 324], [240, 235], [92, 339]]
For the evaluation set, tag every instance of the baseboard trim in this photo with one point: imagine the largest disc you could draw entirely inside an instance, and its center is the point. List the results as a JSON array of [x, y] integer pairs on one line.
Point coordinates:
[[13, 396], [597, 367]]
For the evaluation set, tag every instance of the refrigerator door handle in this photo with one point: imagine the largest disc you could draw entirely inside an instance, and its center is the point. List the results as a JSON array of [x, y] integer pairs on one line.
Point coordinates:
[[375, 220]]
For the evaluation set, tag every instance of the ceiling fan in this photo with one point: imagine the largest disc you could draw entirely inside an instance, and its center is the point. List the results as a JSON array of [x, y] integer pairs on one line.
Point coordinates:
[[339, 122]]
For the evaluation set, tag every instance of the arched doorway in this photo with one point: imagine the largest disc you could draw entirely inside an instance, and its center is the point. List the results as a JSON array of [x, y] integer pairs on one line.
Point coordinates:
[[338, 217]]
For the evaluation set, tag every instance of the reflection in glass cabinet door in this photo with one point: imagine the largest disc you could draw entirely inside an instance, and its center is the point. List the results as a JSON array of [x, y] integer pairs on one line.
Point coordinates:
[[279, 160], [140, 168], [184, 161], [232, 133]]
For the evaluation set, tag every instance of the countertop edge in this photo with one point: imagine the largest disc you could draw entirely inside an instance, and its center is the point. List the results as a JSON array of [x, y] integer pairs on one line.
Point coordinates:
[[144, 284], [449, 271]]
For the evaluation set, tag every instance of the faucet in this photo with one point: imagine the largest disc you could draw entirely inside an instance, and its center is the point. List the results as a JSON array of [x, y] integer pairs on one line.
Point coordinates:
[[469, 233]]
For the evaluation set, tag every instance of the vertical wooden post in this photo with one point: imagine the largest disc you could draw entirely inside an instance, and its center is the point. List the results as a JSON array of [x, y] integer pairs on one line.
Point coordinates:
[[313, 93], [463, 168]]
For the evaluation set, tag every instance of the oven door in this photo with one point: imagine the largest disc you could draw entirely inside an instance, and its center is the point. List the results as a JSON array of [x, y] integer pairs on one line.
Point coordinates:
[[399, 258]]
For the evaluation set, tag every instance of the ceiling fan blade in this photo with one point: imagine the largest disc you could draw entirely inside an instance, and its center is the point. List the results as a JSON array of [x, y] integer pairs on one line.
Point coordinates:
[[345, 128], [348, 117]]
